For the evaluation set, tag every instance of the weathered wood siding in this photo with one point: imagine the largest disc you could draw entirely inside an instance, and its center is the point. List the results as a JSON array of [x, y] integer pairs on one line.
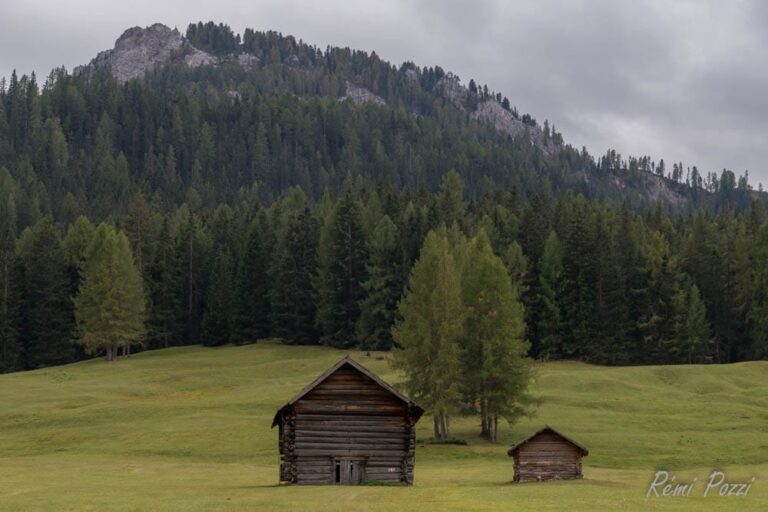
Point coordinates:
[[347, 417], [547, 457]]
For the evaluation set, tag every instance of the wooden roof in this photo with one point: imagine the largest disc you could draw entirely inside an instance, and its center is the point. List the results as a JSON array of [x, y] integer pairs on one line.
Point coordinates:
[[348, 361], [544, 429]]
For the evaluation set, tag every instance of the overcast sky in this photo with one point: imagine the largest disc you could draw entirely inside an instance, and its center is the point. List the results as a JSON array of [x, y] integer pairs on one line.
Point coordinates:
[[680, 80]]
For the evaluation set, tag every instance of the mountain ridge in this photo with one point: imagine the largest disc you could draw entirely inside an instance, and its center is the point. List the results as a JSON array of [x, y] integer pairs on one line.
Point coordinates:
[[141, 51]]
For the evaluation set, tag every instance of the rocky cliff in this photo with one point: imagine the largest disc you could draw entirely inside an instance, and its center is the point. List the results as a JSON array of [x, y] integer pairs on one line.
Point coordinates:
[[491, 112]]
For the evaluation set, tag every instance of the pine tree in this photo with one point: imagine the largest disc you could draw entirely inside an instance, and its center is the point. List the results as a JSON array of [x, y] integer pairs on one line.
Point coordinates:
[[46, 311], [427, 335], [341, 274], [384, 287], [495, 372], [110, 305]]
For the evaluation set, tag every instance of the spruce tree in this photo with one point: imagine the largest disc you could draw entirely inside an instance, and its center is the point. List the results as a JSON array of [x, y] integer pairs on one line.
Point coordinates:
[[294, 299], [10, 347], [47, 318], [218, 325], [79, 236], [758, 313], [449, 202], [252, 319], [693, 338], [550, 323], [342, 273], [662, 284], [164, 284], [384, 287], [110, 306], [577, 306]]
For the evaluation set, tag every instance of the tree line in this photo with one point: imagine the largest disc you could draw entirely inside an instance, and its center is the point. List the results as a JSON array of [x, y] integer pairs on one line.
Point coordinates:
[[597, 281]]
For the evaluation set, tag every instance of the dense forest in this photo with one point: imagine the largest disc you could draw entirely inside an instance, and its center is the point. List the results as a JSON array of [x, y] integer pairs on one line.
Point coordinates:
[[257, 204]]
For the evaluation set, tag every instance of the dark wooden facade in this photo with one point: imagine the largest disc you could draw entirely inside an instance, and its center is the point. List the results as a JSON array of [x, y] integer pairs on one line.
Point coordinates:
[[347, 427], [547, 455]]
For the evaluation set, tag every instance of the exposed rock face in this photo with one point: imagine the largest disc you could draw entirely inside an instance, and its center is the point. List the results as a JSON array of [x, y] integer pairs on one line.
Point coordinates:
[[197, 57], [248, 61], [450, 87], [140, 50], [360, 95], [491, 112], [503, 120]]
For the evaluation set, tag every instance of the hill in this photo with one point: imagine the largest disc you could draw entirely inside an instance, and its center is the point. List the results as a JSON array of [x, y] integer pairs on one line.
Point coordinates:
[[188, 429]]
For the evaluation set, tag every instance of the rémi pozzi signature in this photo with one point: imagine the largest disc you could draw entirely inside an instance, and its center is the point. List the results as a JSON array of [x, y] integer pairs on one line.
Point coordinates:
[[665, 485]]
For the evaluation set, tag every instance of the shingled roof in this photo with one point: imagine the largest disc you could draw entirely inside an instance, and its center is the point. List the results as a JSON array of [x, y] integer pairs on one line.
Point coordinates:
[[547, 428], [346, 360]]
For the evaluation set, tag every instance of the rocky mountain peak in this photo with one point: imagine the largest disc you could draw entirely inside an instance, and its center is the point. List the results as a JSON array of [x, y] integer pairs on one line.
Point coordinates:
[[139, 50]]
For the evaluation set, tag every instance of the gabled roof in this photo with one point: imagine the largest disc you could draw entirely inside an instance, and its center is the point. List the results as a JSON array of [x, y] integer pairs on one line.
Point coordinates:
[[544, 429], [348, 361]]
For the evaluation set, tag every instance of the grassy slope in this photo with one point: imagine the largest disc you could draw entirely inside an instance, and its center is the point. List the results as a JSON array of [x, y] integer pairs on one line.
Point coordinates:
[[188, 429]]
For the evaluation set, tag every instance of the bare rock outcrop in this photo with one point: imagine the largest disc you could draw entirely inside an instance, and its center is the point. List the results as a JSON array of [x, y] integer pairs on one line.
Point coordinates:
[[493, 113], [360, 95], [195, 57], [248, 61], [140, 50]]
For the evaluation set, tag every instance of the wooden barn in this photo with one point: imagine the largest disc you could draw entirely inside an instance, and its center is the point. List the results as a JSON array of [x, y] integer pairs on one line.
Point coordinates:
[[347, 427], [547, 455]]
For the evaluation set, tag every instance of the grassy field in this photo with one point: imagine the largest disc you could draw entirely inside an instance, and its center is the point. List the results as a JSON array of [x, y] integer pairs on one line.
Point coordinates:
[[188, 429]]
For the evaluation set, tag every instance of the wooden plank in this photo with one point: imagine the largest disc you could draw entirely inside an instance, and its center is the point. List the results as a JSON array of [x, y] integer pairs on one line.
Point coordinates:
[[391, 435], [347, 417], [358, 441], [344, 447], [306, 406], [348, 453], [371, 430]]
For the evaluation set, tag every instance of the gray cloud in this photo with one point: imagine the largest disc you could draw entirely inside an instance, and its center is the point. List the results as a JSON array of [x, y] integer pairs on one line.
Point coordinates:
[[684, 81]]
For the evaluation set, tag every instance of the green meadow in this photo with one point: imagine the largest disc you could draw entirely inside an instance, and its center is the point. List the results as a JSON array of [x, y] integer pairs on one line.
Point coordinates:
[[188, 429]]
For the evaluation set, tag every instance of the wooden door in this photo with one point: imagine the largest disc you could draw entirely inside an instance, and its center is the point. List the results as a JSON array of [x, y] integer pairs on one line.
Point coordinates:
[[349, 472]]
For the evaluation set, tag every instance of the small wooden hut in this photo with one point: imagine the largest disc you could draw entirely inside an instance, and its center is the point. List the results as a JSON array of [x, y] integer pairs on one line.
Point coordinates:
[[547, 455], [347, 427]]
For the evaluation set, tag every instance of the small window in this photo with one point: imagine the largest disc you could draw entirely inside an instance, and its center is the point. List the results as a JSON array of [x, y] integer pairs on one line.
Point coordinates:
[[337, 472]]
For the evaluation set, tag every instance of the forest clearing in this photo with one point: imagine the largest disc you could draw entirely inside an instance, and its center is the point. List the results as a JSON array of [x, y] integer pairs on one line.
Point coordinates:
[[188, 428]]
